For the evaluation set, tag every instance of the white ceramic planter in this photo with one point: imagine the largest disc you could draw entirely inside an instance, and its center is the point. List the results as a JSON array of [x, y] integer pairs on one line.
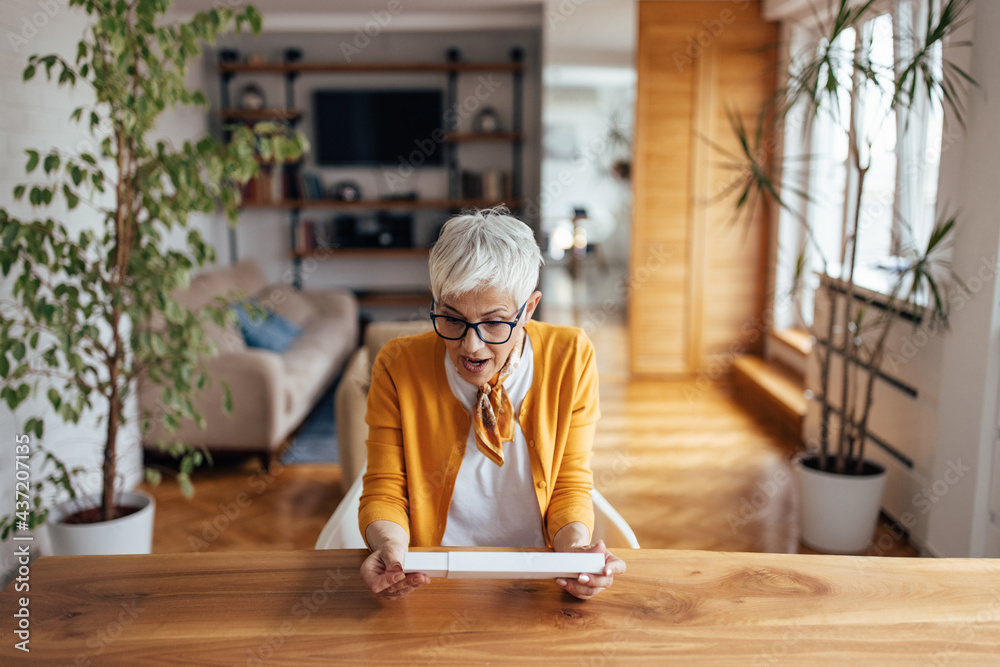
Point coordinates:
[[132, 534], [839, 513]]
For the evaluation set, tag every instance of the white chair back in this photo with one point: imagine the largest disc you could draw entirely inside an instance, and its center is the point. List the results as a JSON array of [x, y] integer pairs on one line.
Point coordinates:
[[342, 532]]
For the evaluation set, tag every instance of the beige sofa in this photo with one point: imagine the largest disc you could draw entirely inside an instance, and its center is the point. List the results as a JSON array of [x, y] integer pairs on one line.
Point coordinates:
[[272, 393]]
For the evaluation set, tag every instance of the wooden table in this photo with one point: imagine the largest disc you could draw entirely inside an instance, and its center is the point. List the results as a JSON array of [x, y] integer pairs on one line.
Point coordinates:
[[681, 607]]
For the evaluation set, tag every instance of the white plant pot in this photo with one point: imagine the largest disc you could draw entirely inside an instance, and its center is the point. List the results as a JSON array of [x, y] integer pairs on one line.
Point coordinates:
[[839, 513], [132, 534]]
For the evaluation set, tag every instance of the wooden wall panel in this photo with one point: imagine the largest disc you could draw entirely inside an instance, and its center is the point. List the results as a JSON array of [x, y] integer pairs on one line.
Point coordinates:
[[742, 78], [696, 281]]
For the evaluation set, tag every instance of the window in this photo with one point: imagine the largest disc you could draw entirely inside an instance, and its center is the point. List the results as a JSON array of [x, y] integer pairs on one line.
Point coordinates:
[[901, 151]]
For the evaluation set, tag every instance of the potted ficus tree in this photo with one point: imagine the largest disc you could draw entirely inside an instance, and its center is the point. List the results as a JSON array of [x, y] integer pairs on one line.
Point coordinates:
[[91, 305], [864, 92]]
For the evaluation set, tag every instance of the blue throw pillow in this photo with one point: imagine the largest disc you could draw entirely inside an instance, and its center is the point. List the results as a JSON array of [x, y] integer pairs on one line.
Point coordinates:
[[271, 332]]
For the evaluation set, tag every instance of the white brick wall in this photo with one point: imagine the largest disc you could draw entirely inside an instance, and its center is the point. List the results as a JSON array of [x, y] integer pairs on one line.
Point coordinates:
[[36, 115]]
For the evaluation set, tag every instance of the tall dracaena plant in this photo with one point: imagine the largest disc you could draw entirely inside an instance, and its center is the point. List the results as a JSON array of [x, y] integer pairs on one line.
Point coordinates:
[[831, 77], [92, 305]]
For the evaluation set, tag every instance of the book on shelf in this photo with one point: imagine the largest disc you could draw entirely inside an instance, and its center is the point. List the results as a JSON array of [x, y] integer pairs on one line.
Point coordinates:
[[496, 185], [305, 236], [311, 236], [311, 185], [267, 187], [291, 181], [279, 187]]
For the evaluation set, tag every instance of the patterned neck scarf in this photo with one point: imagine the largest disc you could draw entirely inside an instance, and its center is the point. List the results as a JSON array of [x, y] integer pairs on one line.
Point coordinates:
[[493, 416]]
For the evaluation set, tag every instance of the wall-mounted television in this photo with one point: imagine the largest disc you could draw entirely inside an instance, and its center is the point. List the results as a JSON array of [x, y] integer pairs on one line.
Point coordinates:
[[376, 127]]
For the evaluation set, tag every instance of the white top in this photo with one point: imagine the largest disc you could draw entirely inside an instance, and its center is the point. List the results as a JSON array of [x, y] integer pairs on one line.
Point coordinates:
[[495, 506]]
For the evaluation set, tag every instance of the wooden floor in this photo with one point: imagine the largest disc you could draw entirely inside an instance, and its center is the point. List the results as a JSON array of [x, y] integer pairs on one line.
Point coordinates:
[[681, 461]]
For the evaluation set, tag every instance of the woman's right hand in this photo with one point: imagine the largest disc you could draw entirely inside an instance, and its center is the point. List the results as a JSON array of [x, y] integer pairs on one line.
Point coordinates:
[[382, 571]]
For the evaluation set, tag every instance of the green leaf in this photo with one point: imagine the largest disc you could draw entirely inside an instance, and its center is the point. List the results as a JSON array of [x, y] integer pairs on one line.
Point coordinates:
[[153, 476], [10, 396], [51, 163], [54, 398], [4, 366], [71, 199], [18, 192], [156, 343], [184, 480], [32, 161], [18, 350], [29, 72]]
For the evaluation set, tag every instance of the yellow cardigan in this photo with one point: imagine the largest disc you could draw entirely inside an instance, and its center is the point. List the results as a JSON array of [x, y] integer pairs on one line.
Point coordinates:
[[417, 433]]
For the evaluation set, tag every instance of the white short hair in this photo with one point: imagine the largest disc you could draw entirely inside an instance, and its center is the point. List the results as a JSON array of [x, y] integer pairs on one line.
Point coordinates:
[[482, 249]]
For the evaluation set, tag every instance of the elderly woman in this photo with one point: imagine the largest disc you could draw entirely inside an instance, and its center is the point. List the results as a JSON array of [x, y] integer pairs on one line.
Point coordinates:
[[480, 432]]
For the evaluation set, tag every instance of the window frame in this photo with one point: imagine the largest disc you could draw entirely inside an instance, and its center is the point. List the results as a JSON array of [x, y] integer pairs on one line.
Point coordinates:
[[912, 170]]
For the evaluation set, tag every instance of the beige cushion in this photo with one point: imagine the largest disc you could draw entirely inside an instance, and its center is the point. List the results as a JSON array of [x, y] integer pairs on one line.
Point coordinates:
[[227, 339], [203, 291], [286, 301], [333, 303], [350, 406], [246, 278], [378, 334], [230, 282], [326, 338]]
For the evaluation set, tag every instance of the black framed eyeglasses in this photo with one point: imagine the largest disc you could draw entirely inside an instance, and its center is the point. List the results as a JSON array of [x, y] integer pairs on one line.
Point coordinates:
[[491, 332]]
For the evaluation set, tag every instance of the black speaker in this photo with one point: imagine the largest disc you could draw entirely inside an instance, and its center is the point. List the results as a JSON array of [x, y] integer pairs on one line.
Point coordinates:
[[385, 230]]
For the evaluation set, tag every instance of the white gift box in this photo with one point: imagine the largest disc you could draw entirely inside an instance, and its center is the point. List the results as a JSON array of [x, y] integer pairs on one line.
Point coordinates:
[[503, 564]]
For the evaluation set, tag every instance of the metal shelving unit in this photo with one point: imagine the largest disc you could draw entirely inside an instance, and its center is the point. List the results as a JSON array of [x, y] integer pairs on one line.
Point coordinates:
[[453, 68]]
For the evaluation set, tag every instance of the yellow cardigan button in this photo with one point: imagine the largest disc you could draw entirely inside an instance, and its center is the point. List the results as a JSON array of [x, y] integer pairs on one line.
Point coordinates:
[[542, 485]]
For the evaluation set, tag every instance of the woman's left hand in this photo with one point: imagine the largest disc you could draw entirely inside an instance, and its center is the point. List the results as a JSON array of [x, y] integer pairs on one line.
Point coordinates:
[[587, 586]]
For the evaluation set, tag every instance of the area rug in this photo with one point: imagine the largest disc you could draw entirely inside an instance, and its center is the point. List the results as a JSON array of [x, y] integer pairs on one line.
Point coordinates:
[[316, 440]]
